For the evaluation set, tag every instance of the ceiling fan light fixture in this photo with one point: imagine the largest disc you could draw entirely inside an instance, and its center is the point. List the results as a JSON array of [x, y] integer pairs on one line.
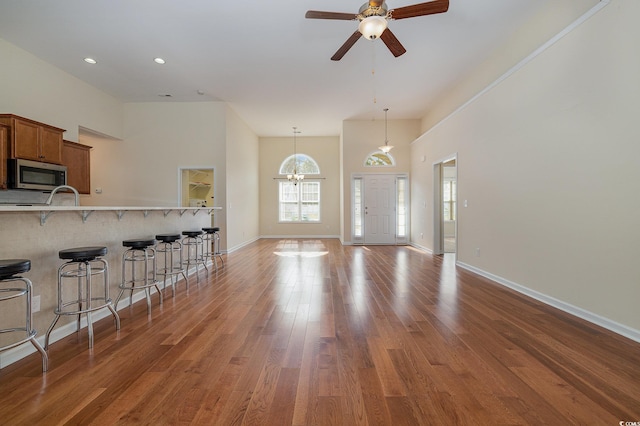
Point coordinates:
[[372, 27]]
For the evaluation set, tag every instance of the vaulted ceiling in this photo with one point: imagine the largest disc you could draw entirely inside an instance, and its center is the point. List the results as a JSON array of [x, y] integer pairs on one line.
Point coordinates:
[[268, 62]]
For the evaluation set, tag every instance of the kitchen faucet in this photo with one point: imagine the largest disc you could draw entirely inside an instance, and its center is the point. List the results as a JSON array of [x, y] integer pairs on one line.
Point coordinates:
[[58, 188]]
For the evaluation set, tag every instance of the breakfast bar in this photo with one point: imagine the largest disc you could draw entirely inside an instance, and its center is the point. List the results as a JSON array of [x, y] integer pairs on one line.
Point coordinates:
[[39, 232]]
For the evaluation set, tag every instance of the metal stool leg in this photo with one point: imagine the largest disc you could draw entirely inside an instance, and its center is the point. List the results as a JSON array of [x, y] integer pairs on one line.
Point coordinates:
[[30, 333]]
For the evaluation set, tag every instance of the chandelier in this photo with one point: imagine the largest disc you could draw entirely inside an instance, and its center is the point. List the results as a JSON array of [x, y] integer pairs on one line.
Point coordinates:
[[386, 147], [295, 177]]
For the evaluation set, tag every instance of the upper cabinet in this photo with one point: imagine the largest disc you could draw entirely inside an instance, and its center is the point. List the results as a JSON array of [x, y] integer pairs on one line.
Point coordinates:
[[31, 140], [77, 158], [4, 135]]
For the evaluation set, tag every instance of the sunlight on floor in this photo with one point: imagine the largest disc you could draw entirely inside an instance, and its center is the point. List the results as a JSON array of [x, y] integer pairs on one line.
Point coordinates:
[[306, 248], [301, 253]]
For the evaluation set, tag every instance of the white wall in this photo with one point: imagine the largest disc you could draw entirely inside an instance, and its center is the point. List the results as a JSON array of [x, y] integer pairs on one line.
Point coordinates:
[[548, 161]]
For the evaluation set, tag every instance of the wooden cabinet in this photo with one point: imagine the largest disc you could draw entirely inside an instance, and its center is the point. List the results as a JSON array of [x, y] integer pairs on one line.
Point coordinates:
[[77, 158], [4, 136], [31, 140]]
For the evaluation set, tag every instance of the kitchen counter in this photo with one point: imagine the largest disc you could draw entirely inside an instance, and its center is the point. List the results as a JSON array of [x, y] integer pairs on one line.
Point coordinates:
[[65, 227], [85, 211]]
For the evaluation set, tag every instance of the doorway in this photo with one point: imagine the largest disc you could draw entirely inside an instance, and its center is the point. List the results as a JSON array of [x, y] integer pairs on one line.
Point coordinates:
[[445, 185], [380, 209], [196, 188]]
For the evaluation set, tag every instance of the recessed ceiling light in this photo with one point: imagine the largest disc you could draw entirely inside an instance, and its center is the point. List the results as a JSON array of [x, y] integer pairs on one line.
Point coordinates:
[[158, 61], [90, 61]]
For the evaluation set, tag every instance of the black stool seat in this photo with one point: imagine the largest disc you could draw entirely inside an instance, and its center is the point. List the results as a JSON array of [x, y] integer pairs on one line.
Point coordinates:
[[211, 230], [138, 244], [168, 238], [83, 295], [11, 267], [191, 233], [82, 254]]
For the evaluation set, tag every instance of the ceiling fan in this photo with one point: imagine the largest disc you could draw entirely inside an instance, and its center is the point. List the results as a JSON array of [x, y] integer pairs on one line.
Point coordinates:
[[373, 17]]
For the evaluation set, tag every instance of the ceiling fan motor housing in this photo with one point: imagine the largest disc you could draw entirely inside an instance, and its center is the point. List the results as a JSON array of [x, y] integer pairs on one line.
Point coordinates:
[[367, 10]]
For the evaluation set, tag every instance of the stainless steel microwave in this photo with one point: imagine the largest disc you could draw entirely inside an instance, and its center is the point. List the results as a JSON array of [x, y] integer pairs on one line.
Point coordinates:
[[26, 174]]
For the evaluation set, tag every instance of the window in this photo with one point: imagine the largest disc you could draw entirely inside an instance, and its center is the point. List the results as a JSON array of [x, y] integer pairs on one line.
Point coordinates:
[[403, 204], [358, 228], [299, 202], [301, 163], [379, 159], [449, 198]]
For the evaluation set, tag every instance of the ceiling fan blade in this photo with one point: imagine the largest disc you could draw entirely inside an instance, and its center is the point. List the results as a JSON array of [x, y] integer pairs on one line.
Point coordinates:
[[346, 46], [421, 9], [392, 43], [316, 14]]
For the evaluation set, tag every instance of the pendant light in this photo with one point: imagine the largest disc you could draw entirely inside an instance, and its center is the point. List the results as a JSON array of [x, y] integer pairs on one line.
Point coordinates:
[[386, 147], [295, 177]]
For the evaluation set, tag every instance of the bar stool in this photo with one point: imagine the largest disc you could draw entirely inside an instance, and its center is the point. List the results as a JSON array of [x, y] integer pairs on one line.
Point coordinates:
[[9, 270], [212, 238], [192, 243], [139, 255], [82, 264], [170, 247]]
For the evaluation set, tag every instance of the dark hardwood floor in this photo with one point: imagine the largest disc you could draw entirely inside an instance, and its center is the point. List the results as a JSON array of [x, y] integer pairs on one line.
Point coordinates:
[[309, 332]]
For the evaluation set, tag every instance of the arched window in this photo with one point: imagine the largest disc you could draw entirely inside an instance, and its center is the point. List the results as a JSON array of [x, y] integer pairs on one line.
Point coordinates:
[[305, 165], [299, 201], [379, 159]]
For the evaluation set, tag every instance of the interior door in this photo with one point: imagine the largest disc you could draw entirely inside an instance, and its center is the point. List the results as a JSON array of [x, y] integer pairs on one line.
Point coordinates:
[[380, 209]]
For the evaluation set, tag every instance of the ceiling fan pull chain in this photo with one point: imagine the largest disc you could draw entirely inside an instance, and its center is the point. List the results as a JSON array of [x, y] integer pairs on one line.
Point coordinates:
[[373, 71]]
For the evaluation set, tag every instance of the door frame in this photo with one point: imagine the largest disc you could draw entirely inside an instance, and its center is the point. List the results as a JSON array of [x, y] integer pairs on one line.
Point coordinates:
[[438, 203], [398, 240], [181, 185]]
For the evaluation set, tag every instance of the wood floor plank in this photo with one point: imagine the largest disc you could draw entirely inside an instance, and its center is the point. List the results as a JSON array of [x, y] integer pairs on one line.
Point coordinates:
[[307, 331]]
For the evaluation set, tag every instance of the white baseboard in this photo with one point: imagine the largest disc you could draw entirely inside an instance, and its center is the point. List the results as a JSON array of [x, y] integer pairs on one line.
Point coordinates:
[[239, 246], [596, 319], [419, 247]]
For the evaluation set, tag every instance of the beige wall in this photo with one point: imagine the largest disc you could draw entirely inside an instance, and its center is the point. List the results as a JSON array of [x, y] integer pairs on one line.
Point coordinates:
[[159, 138], [361, 138], [325, 150], [241, 209], [526, 38], [547, 160], [32, 88]]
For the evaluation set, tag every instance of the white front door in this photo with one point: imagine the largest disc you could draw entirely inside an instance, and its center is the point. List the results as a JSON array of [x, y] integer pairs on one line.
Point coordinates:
[[379, 209]]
